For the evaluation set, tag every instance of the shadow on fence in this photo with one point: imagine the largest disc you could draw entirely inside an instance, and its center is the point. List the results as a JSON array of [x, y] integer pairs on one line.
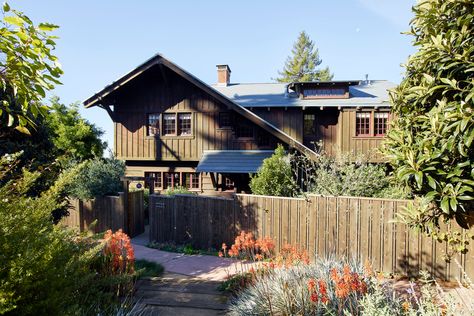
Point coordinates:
[[360, 228], [108, 212]]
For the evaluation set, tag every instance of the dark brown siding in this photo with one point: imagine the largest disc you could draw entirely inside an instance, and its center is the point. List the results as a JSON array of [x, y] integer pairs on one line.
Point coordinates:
[[288, 120], [158, 92], [358, 145]]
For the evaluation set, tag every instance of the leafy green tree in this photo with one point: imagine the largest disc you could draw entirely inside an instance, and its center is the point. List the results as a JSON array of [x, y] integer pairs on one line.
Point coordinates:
[[73, 137], [98, 177], [27, 68], [430, 142], [275, 177], [303, 62]]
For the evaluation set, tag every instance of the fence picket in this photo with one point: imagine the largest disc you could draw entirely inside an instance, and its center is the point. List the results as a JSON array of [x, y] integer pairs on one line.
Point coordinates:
[[363, 228]]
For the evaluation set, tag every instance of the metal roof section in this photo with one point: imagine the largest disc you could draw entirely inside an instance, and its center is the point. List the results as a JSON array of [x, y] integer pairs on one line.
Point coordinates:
[[232, 161], [277, 95]]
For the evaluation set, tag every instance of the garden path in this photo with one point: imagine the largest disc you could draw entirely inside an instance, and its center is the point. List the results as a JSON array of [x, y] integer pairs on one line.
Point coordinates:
[[189, 284]]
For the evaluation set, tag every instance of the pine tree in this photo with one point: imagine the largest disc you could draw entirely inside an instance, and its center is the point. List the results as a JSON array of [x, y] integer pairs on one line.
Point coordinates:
[[301, 64]]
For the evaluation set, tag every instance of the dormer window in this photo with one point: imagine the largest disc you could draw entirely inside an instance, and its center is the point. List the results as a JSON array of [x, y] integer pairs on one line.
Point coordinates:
[[323, 92]]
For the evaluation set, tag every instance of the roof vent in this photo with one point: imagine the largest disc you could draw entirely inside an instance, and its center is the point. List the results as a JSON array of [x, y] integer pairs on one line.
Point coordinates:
[[367, 81], [223, 75]]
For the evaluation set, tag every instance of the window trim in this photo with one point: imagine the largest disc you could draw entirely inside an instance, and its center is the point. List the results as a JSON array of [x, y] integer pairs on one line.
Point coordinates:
[[175, 124], [178, 129], [181, 176], [372, 124], [148, 124]]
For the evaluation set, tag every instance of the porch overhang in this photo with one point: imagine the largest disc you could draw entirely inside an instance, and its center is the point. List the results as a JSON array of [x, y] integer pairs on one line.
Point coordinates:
[[232, 161]]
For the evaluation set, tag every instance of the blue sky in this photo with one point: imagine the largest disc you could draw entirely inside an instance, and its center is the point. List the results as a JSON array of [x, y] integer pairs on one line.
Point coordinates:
[[102, 40]]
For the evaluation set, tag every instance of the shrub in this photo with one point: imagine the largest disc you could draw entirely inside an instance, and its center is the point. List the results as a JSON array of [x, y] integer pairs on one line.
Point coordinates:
[[275, 176], [178, 190], [326, 287], [98, 177], [334, 287], [346, 174], [44, 268]]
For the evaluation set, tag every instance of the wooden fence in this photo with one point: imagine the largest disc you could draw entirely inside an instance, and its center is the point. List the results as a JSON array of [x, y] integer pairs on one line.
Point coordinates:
[[361, 228], [111, 212]]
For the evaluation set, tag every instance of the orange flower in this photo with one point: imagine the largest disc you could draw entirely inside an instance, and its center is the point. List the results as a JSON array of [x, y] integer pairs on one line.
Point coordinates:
[[323, 291], [311, 285], [119, 252], [224, 246], [406, 306], [258, 257], [314, 297], [221, 254]]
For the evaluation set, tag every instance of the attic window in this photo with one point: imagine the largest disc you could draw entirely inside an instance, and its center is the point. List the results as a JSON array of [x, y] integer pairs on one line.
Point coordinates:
[[323, 92]]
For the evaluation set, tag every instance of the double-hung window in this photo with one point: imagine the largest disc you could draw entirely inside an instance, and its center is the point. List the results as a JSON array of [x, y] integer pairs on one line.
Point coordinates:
[[371, 123], [363, 124], [184, 124], [169, 124], [153, 122], [172, 124]]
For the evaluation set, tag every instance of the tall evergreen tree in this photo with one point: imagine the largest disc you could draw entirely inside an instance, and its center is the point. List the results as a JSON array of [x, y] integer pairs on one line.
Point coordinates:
[[302, 64]]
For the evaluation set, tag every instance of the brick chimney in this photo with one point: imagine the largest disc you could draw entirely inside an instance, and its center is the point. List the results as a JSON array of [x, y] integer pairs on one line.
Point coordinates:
[[223, 75]]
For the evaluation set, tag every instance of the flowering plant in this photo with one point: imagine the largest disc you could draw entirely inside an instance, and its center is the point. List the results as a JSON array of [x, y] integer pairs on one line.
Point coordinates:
[[118, 253]]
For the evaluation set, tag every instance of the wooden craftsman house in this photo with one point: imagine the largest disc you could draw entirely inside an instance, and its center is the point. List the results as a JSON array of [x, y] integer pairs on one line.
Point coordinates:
[[180, 131]]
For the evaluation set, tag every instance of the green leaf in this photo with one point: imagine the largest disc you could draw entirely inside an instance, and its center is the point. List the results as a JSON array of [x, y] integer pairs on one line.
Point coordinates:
[[11, 119], [445, 205], [47, 27], [22, 129], [6, 7], [14, 20]]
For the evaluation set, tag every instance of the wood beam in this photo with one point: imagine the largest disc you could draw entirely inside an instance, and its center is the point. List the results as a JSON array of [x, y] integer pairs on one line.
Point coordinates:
[[213, 180], [109, 111]]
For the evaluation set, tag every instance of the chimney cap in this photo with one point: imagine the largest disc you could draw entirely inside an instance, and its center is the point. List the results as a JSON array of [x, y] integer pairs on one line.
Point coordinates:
[[223, 67]]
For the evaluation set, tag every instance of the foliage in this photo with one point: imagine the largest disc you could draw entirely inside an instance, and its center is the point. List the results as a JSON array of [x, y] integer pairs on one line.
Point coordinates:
[[326, 287], [178, 190], [146, 269], [187, 249], [334, 287], [98, 177], [303, 62], [73, 137], [345, 174], [27, 68], [46, 269], [430, 142], [275, 176]]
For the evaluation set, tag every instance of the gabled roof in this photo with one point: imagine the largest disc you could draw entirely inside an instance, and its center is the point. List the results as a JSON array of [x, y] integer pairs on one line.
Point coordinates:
[[275, 95], [99, 97]]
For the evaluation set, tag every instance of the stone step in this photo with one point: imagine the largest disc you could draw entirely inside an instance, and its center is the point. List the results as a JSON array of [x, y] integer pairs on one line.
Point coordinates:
[[184, 287], [181, 311], [180, 299]]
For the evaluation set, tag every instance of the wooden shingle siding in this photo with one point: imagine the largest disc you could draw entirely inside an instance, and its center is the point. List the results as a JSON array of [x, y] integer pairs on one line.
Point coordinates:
[[173, 95]]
